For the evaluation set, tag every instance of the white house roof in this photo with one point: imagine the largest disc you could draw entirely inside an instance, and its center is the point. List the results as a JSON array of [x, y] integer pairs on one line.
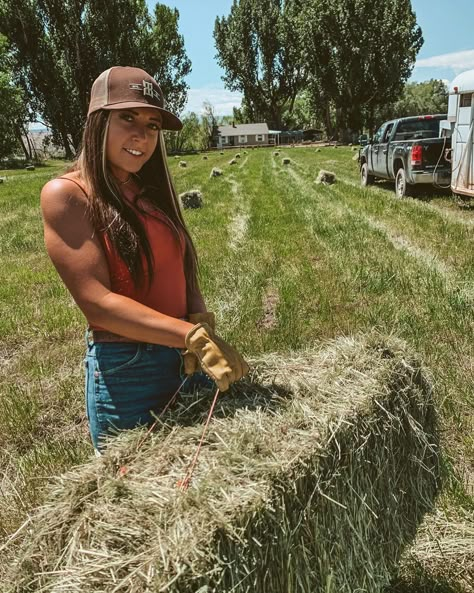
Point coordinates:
[[243, 130], [464, 82]]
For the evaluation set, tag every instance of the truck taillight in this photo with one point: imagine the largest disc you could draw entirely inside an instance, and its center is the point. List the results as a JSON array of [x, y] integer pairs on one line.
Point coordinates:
[[416, 153]]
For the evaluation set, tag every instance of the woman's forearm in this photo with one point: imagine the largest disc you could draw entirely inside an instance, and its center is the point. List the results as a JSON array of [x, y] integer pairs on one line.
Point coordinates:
[[129, 318]]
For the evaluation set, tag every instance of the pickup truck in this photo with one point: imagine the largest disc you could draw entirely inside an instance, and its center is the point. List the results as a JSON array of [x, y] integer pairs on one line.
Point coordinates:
[[410, 151]]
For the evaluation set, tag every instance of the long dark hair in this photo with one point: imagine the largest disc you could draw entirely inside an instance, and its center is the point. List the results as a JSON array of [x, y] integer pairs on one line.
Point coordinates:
[[112, 214]]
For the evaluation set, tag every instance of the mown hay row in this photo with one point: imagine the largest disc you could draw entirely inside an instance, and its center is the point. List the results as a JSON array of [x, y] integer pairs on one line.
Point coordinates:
[[313, 478]]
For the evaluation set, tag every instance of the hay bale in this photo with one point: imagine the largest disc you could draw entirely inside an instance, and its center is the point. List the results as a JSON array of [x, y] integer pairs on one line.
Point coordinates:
[[355, 157], [2, 179], [286, 161], [245, 152], [233, 162], [276, 153], [354, 148], [176, 156], [237, 156], [216, 172], [221, 152], [204, 158], [183, 164], [191, 199], [30, 167], [326, 177], [318, 150], [313, 477]]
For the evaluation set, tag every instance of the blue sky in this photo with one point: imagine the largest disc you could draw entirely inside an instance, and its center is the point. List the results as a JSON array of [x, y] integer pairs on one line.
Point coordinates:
[[447, 29]]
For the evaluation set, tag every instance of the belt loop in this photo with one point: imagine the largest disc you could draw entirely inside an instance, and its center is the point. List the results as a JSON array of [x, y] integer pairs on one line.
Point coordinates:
[[89, 338]]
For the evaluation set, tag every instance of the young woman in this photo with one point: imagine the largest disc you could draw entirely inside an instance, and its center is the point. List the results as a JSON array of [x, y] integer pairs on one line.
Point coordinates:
[[115, 233]]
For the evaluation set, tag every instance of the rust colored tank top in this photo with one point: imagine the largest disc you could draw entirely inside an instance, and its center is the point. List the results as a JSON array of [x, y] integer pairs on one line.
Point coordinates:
[[167, 293]]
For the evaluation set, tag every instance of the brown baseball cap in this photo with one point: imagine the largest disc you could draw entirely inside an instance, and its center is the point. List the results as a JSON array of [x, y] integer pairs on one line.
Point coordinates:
[[124, 87]]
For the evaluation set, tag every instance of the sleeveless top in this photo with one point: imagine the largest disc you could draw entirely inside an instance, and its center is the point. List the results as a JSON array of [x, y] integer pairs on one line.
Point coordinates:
[[167, 292]]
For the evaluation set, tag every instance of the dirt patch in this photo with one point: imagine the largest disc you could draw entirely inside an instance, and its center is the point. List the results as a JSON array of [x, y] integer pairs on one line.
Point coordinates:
[[270, 301]]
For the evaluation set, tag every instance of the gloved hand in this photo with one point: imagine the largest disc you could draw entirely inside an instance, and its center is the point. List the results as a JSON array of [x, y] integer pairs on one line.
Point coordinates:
[[190, 360], [218, 359]]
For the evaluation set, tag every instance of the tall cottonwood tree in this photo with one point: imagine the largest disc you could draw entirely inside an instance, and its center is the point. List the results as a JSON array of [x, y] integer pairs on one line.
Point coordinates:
[[259, 49], [60, 47], [13, 114], [358, 55]]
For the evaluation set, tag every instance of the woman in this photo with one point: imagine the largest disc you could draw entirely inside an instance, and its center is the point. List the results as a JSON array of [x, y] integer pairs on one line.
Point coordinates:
[[114, 231]]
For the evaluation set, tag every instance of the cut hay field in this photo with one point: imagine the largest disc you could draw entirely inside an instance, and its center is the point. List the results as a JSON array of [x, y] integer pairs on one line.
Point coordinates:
[[286, 264]]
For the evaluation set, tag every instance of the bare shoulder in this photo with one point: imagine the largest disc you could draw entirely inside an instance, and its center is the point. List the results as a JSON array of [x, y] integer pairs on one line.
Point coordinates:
[[63, 196]]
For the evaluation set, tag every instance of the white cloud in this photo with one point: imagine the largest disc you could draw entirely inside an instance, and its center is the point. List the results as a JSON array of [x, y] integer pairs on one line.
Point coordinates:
[[459, 61], [222, 99]]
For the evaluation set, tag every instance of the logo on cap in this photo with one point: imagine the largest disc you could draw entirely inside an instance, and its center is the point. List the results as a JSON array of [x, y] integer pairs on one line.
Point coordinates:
[[147, 89]]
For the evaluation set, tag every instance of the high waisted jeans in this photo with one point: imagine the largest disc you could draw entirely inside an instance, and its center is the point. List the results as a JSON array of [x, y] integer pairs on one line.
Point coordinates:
[[126, 382]]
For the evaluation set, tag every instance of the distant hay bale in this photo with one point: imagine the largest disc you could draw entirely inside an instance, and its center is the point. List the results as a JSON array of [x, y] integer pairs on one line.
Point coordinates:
[[204, 158], [326, 177], [318, 150], [232, 162], [237, 156], [221, 152], [191, 199], [216, 172], [176, 156], [245, 152], [30, 167], [2, 179], [313, 477], [286, 161], [276, 153], [183, 164], [355, 157], [354, 148]]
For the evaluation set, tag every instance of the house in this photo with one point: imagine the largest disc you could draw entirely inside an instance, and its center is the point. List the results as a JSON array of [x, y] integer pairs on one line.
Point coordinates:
[[242, 135]]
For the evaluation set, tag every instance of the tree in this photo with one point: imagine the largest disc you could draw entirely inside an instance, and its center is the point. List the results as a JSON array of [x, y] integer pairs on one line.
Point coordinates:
[[13, 114], [358, 54], [418, 98], [61, 46], [261, 55], [209, 123]]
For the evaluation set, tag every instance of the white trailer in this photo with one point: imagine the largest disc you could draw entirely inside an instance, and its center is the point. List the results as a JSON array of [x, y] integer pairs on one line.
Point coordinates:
[[461, 118]]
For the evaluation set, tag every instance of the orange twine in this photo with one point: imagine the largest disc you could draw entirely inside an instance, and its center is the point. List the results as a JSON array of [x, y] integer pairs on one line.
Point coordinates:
[[184, 484]]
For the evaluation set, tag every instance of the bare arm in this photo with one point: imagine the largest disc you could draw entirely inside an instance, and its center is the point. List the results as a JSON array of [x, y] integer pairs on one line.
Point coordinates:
[[78, 256]]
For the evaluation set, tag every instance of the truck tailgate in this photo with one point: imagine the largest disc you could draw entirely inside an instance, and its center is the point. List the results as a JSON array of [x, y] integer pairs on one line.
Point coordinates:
[[432, 150]]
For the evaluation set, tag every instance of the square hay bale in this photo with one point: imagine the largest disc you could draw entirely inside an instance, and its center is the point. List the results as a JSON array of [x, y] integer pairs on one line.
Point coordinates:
[[326, 177], [191, 199], [216, 172], [313, 477], [286, 161], [183, 164], [232, 162]]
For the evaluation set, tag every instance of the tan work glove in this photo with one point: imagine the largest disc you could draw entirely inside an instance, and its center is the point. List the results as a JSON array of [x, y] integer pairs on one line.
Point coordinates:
[[190, 360], [218, 359]]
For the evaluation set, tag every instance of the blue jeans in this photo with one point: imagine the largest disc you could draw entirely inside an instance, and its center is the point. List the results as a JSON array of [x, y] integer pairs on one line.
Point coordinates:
[[126, 382]]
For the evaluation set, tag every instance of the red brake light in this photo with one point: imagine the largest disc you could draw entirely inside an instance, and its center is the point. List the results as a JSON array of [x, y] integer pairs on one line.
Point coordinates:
[[416, 154], [425, 117]]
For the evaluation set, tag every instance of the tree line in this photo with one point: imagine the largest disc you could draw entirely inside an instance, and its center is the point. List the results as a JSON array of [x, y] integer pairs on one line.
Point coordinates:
[[52, 50], [340, 65]]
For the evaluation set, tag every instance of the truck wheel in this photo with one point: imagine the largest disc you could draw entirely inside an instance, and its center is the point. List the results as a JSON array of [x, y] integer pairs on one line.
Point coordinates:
[[402, 188], [365, 177]]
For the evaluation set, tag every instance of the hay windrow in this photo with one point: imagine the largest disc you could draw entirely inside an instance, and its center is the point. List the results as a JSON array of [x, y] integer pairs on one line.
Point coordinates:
[[314, 476]]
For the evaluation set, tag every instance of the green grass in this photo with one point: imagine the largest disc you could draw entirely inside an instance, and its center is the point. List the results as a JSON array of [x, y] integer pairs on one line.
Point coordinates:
[[339, 258]]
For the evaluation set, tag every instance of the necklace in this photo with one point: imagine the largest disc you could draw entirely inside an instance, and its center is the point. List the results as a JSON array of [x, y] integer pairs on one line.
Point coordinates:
[[126, 180]]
